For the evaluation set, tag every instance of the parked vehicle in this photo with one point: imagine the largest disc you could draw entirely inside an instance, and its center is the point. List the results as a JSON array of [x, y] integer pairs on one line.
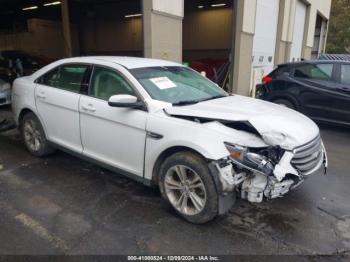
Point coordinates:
[[165, 125], [19, 62], [5, 93], [318, 89], [6, 74], [13, 64]]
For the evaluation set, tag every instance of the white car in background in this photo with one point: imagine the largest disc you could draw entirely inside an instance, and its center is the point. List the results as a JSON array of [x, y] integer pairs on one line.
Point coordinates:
[[164, 124]]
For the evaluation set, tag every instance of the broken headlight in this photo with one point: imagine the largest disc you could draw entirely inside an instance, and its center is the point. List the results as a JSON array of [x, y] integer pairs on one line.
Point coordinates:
[[252, 161]]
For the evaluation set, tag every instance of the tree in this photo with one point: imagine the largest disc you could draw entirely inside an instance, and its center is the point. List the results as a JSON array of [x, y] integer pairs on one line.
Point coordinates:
[[339, 28]]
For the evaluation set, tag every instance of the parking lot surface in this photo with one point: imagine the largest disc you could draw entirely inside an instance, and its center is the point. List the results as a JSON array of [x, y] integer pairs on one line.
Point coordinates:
[[63, 205]]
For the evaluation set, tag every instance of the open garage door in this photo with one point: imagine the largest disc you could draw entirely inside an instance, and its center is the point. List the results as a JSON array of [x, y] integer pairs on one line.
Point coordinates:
[[207, 37], [97, 27], [264, 43], [109, 27], [298, 33]]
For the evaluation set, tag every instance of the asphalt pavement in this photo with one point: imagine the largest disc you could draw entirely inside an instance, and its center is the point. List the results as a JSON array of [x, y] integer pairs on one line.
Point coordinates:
[[63, 205]]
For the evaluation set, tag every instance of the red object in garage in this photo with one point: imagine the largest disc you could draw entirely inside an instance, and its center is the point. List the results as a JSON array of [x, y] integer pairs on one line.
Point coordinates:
[[209, 66]]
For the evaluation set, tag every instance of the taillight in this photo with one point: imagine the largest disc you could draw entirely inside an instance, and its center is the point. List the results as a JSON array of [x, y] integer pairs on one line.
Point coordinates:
[[260, 91], [266, 80]]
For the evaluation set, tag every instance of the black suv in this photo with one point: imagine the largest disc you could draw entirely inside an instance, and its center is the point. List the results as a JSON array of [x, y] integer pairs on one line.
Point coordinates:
[[318, 89]]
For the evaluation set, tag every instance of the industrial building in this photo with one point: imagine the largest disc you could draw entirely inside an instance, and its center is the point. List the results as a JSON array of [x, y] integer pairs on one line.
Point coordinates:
[[255, 34]]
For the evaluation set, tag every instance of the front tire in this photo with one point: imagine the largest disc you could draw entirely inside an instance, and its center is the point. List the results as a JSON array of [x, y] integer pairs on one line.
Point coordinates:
[[34, 137], [187, 185]]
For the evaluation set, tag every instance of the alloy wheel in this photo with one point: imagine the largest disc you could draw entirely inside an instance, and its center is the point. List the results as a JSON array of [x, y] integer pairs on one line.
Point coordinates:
[[185, 190], [32, 135]]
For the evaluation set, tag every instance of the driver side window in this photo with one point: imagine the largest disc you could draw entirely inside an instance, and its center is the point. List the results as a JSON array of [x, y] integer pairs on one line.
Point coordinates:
[[107, 82]]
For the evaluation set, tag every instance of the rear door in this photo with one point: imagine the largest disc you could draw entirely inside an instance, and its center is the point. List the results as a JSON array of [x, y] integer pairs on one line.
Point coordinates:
[[342, 99], [57, 97], [316, 89]]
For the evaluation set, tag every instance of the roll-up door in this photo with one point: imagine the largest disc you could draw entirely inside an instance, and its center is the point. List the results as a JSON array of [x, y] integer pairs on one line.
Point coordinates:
[[298, 32]]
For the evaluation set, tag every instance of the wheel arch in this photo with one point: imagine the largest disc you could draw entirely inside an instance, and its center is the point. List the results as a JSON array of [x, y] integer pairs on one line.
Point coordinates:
[[287, 97], [167, 153], [24, 112]]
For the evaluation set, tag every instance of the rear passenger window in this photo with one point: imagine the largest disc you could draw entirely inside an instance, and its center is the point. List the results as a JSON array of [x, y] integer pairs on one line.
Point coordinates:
[[68, 77], [71, 77], [345, 74], [314, 71]]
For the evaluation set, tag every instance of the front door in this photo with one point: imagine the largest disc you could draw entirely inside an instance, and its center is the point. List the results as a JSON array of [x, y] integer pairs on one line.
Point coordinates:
[[114, 136], [317, 89], [342, 99], [57, 99]]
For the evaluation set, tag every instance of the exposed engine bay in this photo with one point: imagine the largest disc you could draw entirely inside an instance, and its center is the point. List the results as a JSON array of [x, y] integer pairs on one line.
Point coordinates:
[[255, 186], [266, 173]]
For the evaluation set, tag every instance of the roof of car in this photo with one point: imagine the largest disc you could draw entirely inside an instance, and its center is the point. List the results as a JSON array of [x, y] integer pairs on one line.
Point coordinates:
[[128, 62], [314, 62]]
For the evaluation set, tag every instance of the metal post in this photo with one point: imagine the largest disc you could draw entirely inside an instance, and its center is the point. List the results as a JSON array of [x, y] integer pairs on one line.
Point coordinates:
[[233, 47], [66, 29], [142, 28]]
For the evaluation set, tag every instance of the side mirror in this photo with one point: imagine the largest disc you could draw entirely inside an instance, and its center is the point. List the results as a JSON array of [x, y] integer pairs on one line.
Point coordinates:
[[126, 101]]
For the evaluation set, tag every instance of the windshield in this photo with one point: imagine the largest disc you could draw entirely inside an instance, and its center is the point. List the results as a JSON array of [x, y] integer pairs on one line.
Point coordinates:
[[177, 85]]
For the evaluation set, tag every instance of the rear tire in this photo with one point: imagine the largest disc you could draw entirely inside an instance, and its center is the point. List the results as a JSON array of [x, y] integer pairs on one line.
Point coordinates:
[[285, 103], [187, 185], [34, 137]]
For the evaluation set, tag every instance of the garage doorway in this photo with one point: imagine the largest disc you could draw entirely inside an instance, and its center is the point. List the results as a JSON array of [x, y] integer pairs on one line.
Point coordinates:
[[98, 27], [298, 32], [264, 42], [109, 27], [207, 38], [319, 37]]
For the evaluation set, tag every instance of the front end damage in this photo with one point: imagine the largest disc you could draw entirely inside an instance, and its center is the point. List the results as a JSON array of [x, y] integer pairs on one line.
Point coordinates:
[[272, 149], [264, 174]]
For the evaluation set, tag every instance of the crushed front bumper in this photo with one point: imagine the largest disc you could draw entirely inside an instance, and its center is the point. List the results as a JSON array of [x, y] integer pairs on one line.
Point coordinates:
[[255, 186]]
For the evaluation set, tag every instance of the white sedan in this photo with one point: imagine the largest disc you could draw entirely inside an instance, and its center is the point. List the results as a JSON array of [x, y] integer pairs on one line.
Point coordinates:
[[165, 125]]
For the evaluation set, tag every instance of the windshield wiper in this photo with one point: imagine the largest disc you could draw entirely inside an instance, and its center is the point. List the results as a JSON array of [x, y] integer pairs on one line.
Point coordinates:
[[212, 98], [184, 103], [192, 102]]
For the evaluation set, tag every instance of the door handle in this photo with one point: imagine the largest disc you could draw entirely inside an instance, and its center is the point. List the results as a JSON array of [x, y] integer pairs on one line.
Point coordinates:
[[89, 108], [41, 95]]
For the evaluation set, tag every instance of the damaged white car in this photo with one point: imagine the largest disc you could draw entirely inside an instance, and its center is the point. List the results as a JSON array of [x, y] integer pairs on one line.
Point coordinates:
[[166, 125]]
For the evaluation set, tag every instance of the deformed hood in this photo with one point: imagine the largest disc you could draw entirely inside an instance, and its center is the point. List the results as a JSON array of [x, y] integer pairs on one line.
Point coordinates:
[[276, 124]]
